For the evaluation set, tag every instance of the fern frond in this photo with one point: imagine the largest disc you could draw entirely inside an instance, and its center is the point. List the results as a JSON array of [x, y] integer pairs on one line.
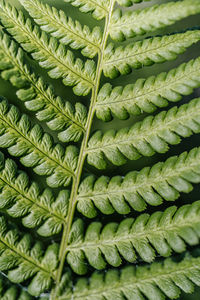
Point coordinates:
[[83, 221], [98, 8], [143, 237], [146, 137], [22, 198], [145, 95], [48, 51], [10, 291], [133, 23], [24, 260], [39, 96], [36, 148], [69, 32], [164, 181], [130, 2], [154, 282], [146, 52]]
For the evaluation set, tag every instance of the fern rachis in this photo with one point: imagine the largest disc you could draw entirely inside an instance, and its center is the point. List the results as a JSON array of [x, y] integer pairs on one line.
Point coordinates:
[[52, 235]]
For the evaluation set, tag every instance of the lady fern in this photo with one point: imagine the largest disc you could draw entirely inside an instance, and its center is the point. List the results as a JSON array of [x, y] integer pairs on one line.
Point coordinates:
[[94, 229]]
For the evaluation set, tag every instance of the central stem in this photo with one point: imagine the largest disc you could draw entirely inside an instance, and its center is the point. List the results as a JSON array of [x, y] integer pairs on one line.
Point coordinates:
[[82, 155]]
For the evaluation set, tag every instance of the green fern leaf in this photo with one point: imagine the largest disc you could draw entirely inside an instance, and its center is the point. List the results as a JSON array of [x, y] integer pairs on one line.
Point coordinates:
[[145, 95], [12, 292], [133, 23], [129, 2], [98, 8], [69, 32], [147, 52], [23, 260], [39, 96], [21, 198], [147, 137], [165, 180], [160, 232], [50, 235], [50, 54], [155, 282], [35, 147]]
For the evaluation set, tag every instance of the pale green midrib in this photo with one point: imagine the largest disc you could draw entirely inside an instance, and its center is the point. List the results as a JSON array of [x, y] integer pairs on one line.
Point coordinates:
[[109, 61], [153, 181], [145, 279], [165, 85], [82, 156], [61, 24], [37, 42], [155, 129], [132, 236], [8, 124], [35, 202], [24, 256], [158, 14], [29, 77]]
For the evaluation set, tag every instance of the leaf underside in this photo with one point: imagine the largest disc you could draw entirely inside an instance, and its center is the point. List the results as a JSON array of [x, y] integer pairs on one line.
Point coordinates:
[[85, 210]]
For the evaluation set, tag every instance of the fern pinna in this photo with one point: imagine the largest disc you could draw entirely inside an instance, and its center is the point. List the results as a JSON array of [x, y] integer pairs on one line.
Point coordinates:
[[94, 229]]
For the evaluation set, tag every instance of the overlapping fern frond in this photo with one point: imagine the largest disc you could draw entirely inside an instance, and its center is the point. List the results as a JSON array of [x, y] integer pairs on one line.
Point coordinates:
[[77, 218]]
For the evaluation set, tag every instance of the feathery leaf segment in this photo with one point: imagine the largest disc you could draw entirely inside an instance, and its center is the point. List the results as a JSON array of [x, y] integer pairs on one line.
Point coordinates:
[[38, 96], [161, 232], [145, 138], [47, 212], [24, 259], [23, 199], [164, 181], [156, 281], [49, 52], [36, 148]]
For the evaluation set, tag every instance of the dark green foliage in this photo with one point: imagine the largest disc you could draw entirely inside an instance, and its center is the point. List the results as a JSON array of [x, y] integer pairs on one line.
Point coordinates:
[[11, 291], [24, 259]]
